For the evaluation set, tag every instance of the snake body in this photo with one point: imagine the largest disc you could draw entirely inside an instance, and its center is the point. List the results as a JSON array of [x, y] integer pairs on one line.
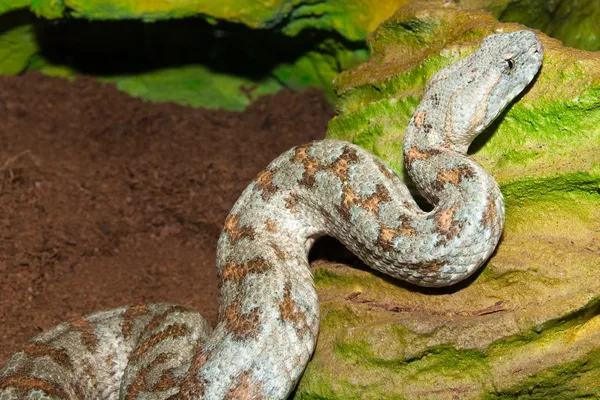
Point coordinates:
[[269, 313]]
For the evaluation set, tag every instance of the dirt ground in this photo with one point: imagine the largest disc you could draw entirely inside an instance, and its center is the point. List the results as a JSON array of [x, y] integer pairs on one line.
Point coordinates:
[[108, 200]]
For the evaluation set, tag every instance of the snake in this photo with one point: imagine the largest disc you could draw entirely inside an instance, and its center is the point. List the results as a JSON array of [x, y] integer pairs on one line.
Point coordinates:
[[268, 307]]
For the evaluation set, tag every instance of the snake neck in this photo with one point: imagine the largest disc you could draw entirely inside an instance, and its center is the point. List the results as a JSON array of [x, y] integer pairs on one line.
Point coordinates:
[[436, 141], [268, 306]]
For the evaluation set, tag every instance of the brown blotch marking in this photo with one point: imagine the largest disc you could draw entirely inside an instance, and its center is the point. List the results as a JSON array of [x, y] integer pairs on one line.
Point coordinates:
[[381, 195], [490, 213], [27, 383], [234, 231], [59, 356], [270, 226], [158, 319], [167, 381], [139, 384], [413, 154], [341, 164], [191, 386], [88, 333], [236, 272], [190, 391], [129, 317], [291, 202], [171, 331], [310, 165], [420, 118], [384, 169], [370, 204], [264, 182], [279, 252], [432, 266], [387, 234], [339, 167], [290, 312], [349, 198], [241, 326], [445, 224], [453, 175], [245, 389]]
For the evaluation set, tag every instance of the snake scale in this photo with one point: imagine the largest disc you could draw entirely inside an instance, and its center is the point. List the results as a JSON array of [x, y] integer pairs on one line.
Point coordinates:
[[269, 313]]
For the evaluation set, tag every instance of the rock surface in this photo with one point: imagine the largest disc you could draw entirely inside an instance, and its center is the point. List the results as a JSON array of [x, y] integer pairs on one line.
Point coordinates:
[[575, 23], [307, 42], [353, 19], [528, 325]]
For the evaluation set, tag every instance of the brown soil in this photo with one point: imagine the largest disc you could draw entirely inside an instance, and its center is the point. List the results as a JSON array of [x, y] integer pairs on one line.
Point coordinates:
[[108, 200]]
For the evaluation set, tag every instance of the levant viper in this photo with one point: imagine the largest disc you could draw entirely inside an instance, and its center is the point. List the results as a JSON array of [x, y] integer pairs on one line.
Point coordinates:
[[269, 313]]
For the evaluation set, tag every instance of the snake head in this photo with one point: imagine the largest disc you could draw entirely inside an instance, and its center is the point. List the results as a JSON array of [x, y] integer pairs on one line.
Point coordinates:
[[487, 81]]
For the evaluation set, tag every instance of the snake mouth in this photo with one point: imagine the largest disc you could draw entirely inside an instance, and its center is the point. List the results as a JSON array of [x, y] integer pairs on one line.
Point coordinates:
[[537, 52], [539, 48]]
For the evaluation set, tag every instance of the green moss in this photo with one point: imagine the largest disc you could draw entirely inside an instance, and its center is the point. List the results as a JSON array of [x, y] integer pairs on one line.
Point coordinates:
[[528, 326], [326, 277], [573, 380], [46, 9], [552, 126], [552, 189], [576, 24], [411, 32], [17, 42], [320, 65], [11, 5], [39, 63], [377, 128], [409, 81], [196, 86], [351, 19], [16, 47], [247, 10], [447, 363], [217, 72], [573, 22], [338, 319], [527, 137], [334, 43], [451, 361], [546, 332], [445, 360], [346, 23]]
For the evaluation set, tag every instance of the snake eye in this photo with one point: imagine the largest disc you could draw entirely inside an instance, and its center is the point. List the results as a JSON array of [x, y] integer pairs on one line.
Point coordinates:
[[509, 64]]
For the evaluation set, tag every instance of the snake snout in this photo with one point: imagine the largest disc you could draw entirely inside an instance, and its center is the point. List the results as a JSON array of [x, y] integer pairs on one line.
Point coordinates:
[[539, 48]]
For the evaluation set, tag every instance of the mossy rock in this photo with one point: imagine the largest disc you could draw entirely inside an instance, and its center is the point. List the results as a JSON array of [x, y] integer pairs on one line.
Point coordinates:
[[308, 44], [574, 22], [328, 37], [352, 19], [528, 325]]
